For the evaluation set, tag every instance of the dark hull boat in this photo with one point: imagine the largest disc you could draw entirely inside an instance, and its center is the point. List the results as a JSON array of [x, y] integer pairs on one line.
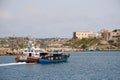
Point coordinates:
[[54, 58], [52, 61]]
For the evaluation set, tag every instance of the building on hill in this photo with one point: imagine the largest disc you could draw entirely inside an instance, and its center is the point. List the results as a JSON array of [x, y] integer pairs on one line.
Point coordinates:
[[115, 34], [107, 35], [81, 35]]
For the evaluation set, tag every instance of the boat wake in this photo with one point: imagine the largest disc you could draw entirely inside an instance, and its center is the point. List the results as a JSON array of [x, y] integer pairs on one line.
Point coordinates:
[[10, 64]]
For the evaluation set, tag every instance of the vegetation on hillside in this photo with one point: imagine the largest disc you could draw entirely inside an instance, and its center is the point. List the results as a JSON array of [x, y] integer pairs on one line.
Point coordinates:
[[83, 43], [95, 43]]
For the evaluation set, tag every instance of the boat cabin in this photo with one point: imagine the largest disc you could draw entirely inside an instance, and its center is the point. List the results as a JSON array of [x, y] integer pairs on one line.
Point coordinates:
[[33, 52], [54, 56]]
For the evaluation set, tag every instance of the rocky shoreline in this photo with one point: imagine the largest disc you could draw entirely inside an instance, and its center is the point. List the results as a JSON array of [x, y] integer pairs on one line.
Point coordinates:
[[8, 51]]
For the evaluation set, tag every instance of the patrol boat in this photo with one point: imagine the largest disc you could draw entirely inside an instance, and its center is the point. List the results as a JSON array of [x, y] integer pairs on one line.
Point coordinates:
[[30, 54]]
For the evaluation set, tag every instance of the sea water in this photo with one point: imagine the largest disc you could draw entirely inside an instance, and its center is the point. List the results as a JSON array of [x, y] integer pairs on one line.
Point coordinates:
[[80, 66]]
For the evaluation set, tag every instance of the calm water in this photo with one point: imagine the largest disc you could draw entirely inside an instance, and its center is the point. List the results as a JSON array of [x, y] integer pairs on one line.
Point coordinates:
[[80, 66]]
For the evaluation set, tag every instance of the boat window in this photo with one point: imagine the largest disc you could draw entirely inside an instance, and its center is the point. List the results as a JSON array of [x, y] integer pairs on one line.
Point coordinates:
[[31, 50], [36, 51], [25, 50]]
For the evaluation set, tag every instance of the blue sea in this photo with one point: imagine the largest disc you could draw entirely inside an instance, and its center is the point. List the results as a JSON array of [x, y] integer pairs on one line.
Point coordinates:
[[103, 65]]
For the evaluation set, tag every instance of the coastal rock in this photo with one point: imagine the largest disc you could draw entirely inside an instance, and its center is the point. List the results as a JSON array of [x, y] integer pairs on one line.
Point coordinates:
[[8, 51]]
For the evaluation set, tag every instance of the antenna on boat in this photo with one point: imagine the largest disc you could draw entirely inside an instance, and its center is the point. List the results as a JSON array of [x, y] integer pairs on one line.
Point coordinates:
[[29, 43]]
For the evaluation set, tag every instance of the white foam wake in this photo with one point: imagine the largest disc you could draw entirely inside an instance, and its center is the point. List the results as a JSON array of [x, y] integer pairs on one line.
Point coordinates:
[[10, 64]]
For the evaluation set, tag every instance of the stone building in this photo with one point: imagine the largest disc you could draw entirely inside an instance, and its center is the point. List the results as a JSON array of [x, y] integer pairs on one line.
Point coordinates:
[[107, 35], [114, 35], [80, 35]]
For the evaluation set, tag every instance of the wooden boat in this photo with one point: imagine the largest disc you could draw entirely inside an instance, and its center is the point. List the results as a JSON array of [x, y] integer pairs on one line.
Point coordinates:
[[54, 58]]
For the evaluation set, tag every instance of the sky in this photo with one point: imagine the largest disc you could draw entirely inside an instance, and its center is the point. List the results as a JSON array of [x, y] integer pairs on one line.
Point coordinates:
[[57, 18]]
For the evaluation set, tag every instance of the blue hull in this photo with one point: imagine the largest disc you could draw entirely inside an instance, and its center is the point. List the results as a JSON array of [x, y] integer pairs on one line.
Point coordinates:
[[52, 61]]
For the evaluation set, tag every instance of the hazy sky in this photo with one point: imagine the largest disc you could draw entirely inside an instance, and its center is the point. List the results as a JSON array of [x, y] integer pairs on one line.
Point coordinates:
[[57, 18]]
